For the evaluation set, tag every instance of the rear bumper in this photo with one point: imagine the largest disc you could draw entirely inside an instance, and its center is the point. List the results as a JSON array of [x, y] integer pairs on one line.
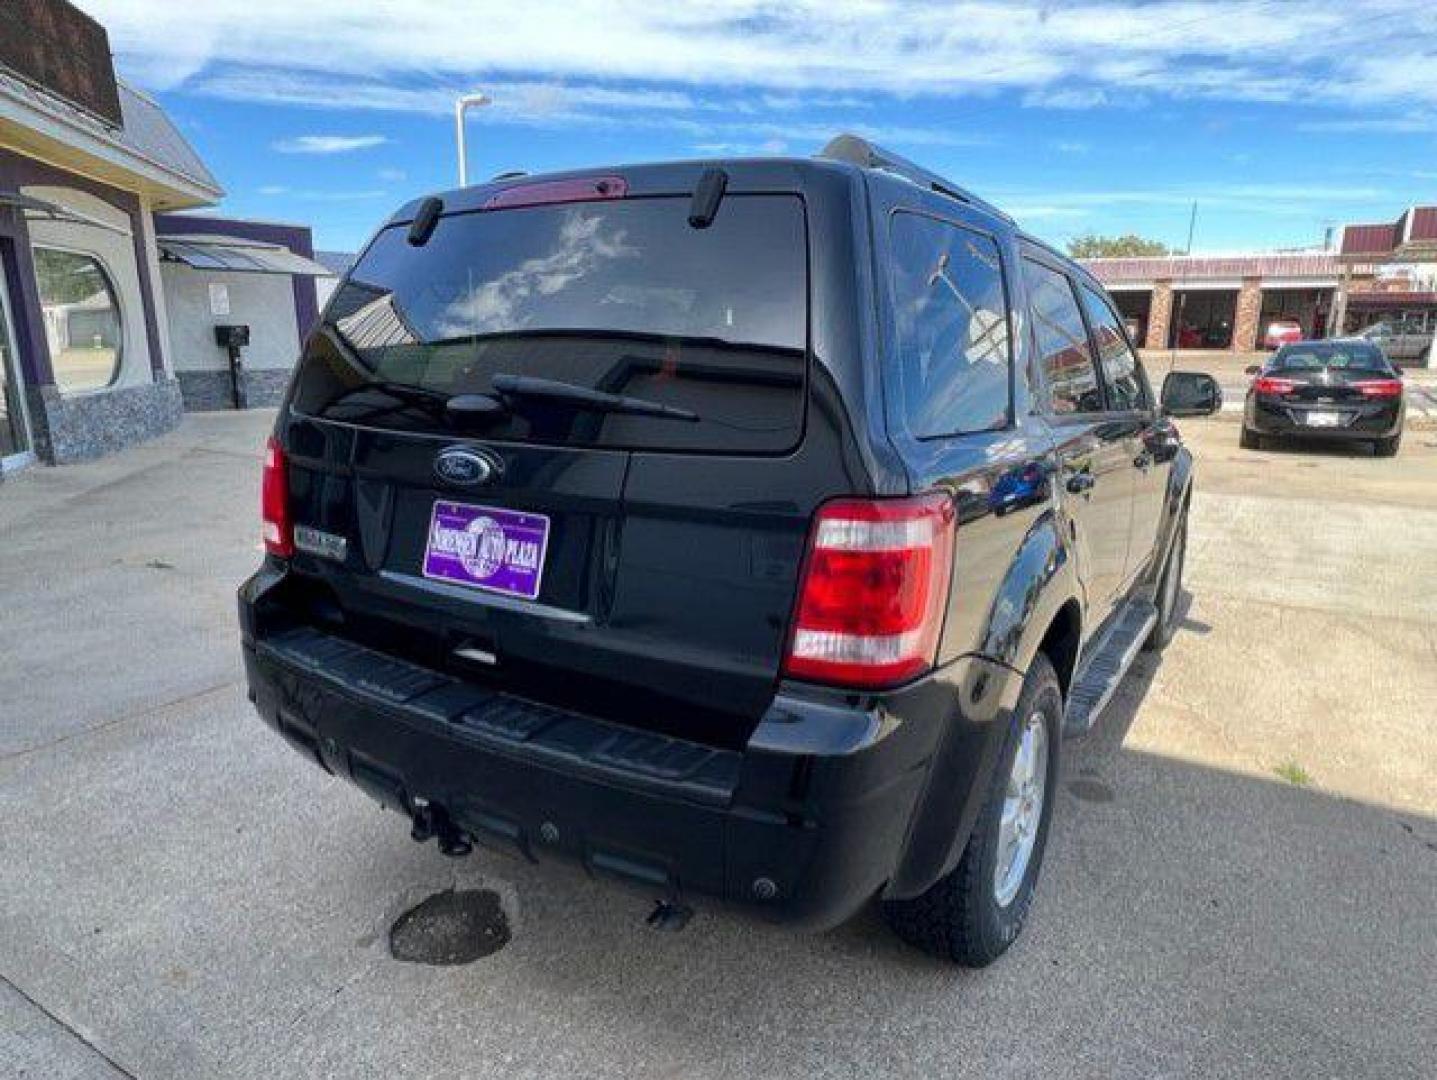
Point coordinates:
[[1375, 420], [828, 804]]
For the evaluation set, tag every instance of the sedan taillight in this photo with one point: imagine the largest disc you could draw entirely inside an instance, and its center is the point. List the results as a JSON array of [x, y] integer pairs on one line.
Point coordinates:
[[874, 591], [1379, 388], [1268, 386], [277, 528]]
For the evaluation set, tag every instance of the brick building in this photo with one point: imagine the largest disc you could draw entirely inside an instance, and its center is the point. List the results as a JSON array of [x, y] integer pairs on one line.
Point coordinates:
[[1220, 301], [1389, 273]]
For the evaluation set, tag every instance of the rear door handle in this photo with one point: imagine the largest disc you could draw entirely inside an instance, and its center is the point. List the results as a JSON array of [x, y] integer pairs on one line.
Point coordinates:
[[1081, 483]]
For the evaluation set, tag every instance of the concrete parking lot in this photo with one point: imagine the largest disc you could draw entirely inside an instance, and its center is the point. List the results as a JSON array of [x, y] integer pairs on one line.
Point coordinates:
[[1240, 881]]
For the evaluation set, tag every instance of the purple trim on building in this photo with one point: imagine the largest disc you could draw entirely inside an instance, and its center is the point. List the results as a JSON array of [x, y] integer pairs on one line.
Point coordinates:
[[24, 297], [17, 171], [297, 238]]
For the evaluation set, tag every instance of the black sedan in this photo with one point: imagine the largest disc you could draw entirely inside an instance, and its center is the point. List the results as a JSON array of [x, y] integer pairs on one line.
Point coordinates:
[[1326, 389]]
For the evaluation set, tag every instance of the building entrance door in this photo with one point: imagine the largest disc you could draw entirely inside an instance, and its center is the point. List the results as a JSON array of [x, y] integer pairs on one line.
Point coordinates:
[[14, 433]]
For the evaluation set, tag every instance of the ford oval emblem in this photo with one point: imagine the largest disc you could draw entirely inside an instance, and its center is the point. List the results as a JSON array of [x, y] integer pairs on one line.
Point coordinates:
[[464, 467]]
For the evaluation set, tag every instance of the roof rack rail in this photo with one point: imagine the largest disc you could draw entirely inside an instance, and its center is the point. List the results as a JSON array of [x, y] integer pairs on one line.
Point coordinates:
[[859, 151]]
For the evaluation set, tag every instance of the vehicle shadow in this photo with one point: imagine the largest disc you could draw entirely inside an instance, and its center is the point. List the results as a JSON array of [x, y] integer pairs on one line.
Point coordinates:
[[1290, 929], [1295, 445]]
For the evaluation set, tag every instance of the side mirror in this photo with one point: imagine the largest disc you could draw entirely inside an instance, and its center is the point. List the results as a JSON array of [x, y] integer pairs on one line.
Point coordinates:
[[1191, 393], [1252, 369]]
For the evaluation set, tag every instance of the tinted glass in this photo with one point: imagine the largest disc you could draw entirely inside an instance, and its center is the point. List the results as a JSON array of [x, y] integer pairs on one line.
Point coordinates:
[[1126, 388], [619, 296], [82, 319], [1062, 341], [1347, 355], [951, 317]]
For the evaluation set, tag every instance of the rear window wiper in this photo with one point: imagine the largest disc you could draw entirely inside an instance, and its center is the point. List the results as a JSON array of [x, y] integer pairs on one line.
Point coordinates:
[[582, 397]]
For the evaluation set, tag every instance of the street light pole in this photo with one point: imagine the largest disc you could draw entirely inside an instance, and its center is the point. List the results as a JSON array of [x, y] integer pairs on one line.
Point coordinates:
[[460, 106]]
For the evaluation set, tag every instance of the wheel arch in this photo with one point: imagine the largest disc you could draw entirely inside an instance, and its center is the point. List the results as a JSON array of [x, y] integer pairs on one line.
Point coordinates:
[[1039, 602]]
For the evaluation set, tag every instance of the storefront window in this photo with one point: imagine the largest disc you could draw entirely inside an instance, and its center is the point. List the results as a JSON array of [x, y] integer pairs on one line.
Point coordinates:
[[82, 319]]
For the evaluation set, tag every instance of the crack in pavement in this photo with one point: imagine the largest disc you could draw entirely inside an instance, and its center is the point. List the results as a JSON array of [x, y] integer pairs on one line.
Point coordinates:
[[138, 714], [65, 1025]]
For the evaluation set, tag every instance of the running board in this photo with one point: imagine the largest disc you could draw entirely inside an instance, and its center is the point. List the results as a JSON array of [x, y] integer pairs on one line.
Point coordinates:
[[1104, 670]]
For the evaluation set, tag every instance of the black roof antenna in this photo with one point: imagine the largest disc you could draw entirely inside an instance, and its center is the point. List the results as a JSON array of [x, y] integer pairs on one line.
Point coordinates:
[[421, 228], [707, 196]]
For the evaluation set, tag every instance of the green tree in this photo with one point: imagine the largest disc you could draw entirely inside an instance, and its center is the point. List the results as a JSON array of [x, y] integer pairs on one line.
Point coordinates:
[[1093, 246]]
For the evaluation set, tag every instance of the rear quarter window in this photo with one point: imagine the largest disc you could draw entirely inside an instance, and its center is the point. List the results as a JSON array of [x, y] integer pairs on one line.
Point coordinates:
[[950, 313]]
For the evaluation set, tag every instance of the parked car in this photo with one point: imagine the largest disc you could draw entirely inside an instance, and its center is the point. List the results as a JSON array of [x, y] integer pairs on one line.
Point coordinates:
[[1403, 341], [660, 518], [1281, 332], [1342, 389]]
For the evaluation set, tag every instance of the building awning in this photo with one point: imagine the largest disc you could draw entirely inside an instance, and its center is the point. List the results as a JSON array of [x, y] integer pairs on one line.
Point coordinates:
[[52, 211], [238, 254]]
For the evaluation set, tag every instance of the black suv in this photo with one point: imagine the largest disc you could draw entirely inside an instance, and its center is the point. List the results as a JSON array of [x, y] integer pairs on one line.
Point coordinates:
[[751, 530]]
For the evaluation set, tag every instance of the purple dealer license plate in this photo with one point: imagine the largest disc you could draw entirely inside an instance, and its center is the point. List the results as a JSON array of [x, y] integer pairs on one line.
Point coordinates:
[[487, 547]]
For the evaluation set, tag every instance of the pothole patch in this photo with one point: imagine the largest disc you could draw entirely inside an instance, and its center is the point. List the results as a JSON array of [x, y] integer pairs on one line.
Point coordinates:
[[456, 926]]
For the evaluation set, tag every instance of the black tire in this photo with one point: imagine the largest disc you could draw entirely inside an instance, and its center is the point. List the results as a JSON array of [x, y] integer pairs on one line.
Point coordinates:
[[959, 918], [1387, 447], [1170, 588], [1250, 440]]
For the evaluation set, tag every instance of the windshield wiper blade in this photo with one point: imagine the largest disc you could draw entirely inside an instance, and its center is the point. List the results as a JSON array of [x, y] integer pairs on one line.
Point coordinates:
[[581, 397]]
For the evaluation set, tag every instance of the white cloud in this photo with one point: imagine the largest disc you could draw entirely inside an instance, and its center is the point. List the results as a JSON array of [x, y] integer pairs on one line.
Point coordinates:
[[319, 195], [328, 144], [1075, 97], [621, 58], [1373, 125]]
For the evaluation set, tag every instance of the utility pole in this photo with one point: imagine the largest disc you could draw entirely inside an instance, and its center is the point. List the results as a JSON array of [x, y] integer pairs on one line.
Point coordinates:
[[475, 100]]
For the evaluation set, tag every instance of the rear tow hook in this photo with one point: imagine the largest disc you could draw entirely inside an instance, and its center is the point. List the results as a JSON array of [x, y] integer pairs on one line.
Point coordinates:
[[669, 915], [432, 822]]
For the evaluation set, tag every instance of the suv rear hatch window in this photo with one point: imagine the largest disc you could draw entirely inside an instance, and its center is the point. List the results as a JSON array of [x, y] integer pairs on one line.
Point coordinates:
[[620, 296]]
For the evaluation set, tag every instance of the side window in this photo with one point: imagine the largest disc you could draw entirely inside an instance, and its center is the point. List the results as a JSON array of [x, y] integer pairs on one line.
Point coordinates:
[[1062, 340], [1120, 365], [951, 316], [82, 319]]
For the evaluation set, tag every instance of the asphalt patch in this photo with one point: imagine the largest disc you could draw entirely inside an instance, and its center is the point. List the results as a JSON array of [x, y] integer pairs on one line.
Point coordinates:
[[449, 928]]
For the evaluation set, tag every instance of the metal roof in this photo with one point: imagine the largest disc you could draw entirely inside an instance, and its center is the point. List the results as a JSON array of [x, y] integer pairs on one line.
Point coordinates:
[[148, 135], [337, 263], [148, 131], [1416, 227], [1424, 225], [237, 254]]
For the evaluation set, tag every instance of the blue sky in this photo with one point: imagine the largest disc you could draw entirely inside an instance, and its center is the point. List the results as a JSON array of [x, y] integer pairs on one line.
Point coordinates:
[[1279, 117]]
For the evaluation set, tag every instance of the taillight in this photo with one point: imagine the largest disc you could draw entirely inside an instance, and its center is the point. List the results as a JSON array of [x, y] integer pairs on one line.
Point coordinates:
[[874, 591], [278, 530], [1267, 386], [1379, 388]]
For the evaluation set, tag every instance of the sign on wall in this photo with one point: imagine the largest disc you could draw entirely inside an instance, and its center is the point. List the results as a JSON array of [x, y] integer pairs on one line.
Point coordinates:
[[219, 299], [59, 48]]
